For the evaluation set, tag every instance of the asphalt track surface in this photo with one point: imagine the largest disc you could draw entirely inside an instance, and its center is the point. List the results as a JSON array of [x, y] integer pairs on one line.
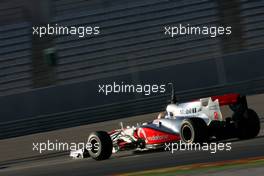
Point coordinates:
[[125, 162]]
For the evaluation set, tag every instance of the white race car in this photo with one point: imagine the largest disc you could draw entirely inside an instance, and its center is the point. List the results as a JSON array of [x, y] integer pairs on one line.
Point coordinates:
[[191, 122]]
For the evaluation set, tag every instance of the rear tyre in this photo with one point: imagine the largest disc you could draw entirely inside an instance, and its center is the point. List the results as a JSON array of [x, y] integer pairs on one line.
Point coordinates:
[[193, 130], [247, 124], [101, 145]]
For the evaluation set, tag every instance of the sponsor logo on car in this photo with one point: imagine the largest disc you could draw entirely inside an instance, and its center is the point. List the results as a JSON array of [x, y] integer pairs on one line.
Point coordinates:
[[156, 138]]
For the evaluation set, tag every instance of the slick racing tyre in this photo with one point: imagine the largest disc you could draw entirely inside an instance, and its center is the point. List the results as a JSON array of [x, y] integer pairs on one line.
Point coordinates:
[[247, 124], [193, 130], [86, 153], [101, 145]]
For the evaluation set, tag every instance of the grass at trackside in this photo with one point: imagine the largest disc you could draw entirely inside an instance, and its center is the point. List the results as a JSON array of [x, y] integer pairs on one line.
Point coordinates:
[[202, 168]]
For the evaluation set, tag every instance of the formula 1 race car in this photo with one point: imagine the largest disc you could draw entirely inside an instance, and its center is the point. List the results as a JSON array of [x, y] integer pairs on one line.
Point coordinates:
[[190, 122]]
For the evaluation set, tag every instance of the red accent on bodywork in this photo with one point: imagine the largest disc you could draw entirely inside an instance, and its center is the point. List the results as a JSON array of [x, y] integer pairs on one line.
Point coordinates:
[[135, 134], [153, 136], [111, 132], [122, 144], [226, 99], [215, 115]]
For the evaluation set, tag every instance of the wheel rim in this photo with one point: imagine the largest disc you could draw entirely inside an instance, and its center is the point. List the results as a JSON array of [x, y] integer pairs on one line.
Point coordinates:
[[186, 133], [94, 149]]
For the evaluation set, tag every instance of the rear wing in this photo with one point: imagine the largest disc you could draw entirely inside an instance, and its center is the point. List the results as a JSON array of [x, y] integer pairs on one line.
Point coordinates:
[[227, 99]]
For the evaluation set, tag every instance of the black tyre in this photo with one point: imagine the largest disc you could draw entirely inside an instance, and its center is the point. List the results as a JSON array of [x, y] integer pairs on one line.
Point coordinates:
[[193, 130], [101, 145], [247, 124], [86, 153]]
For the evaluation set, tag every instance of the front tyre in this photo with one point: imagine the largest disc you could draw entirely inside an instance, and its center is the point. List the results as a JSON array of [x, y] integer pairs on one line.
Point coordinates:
[[247, 124], [101, 145], [193, 130]]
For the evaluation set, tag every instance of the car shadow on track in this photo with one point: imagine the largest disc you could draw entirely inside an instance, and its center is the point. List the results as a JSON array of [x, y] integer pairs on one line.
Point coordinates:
[[140, 152], [237, 140]]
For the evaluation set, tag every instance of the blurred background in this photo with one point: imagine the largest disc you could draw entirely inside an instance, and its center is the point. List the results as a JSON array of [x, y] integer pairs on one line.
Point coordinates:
[[52, 82]]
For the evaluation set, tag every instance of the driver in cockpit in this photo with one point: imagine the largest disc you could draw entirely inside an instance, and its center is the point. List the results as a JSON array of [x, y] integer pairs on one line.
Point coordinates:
[[162, 115]]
